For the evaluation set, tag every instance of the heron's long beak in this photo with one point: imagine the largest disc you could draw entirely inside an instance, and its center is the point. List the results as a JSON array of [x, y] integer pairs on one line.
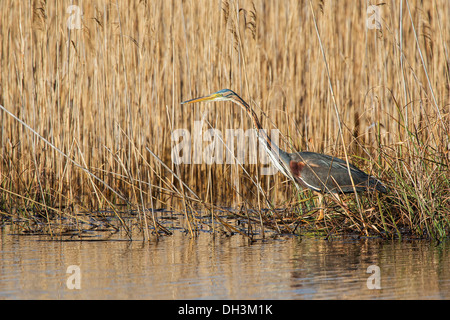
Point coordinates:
[[207, 98]]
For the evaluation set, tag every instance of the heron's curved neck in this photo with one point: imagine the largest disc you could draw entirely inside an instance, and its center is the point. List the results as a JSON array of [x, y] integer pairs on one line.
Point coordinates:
[[277, 155]]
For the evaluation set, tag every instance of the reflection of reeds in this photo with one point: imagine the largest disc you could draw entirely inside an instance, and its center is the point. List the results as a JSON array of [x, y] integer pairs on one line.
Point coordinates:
[[102, 94]]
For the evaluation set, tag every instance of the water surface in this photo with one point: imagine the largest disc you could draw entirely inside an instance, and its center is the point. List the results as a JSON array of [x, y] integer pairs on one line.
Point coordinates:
[[207, 267]]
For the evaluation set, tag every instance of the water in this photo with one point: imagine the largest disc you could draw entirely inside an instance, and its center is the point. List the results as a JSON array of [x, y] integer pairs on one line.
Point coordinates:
[[207, 267]]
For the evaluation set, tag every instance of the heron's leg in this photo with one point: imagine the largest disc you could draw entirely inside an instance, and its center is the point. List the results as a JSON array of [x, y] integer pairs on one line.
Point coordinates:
[[338, 200], [321, 208], [338, 197]]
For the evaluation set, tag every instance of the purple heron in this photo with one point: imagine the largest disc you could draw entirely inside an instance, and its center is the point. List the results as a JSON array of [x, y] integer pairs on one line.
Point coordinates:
[[319, 172]]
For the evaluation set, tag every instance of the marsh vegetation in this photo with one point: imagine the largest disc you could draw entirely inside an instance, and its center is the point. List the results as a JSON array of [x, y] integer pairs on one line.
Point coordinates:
[[91, 95]]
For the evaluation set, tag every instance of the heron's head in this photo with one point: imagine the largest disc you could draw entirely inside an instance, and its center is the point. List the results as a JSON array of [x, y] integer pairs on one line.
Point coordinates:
[[222, 95]]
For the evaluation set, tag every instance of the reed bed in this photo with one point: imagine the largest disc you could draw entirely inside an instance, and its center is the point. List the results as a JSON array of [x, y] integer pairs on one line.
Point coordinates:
[[91, 94]]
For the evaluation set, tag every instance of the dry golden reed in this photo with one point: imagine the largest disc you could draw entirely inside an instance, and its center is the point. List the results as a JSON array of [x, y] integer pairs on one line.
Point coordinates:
[[102, 82]]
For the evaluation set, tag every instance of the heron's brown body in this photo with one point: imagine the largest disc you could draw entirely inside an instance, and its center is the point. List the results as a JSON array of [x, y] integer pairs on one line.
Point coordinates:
[[324, 173]]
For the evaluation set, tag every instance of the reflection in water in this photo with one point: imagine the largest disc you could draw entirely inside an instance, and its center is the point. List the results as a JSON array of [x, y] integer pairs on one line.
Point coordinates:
[[207, 267]]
